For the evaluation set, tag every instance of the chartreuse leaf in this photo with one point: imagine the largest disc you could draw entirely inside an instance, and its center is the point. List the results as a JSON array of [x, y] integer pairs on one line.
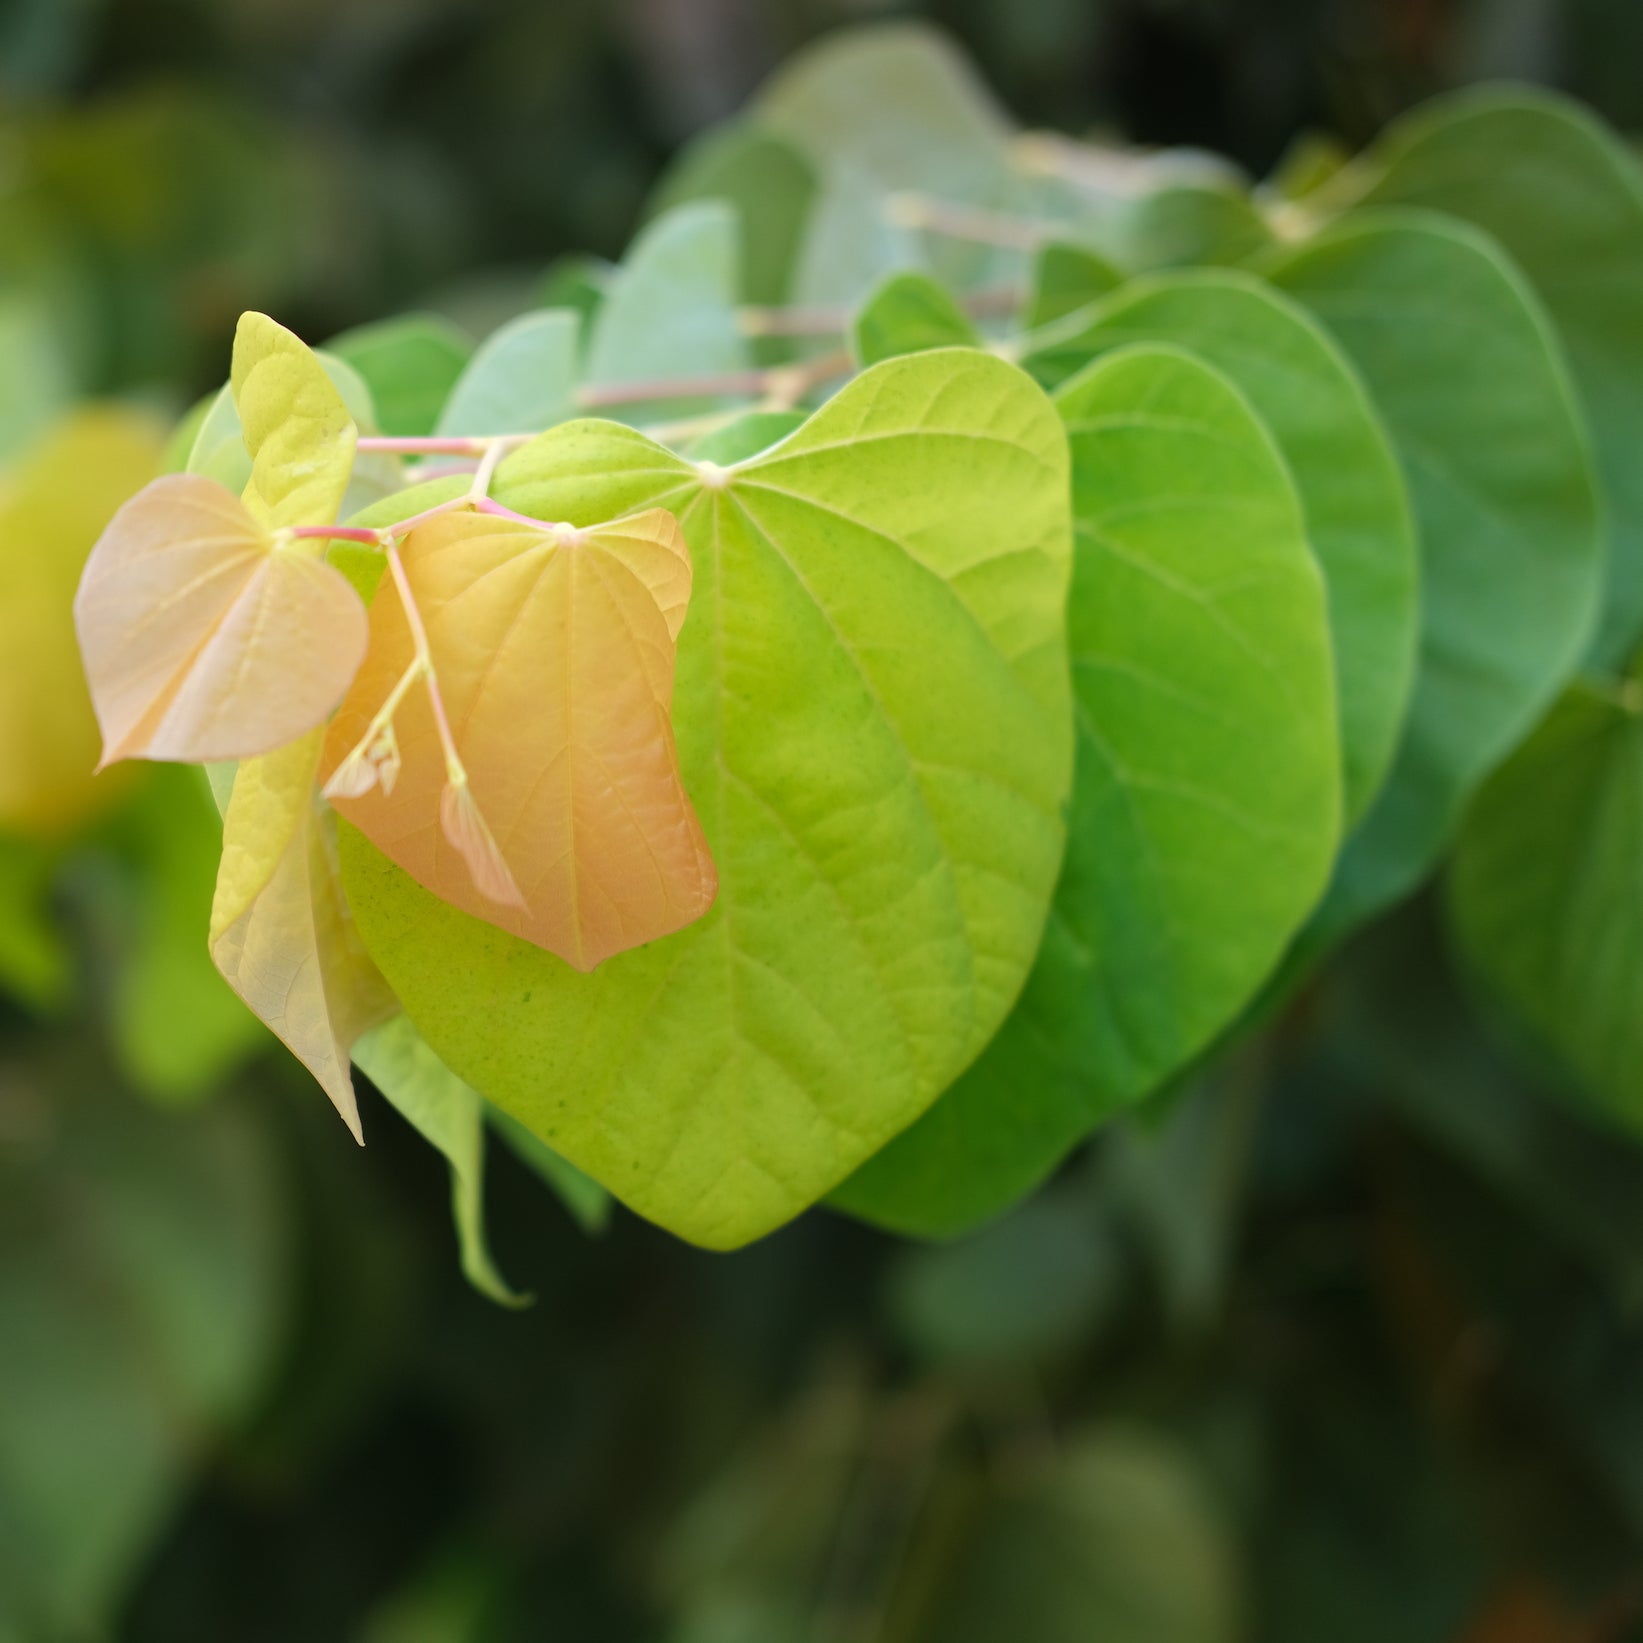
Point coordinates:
[[553, 655], [906, 314], [53, 503], [410, 365], [874, 724], [205, 637], [1545, 891], [218, 448], [1066, 277], [670, 310], [295, 425], [521, 379], [1467, 375], [1346, 475], [881, 111], [449, 1116], [768, 181], [1206, 807], [281, 931], [1561, 193]]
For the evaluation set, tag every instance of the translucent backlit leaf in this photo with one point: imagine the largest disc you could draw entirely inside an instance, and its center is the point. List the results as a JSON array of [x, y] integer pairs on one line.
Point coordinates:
[[205, 637], [53, 503], [295, 424], [281, 931], [552, 651]]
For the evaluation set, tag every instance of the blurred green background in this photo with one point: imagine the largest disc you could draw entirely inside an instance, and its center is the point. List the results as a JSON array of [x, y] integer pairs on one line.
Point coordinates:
[[1345, 1344]]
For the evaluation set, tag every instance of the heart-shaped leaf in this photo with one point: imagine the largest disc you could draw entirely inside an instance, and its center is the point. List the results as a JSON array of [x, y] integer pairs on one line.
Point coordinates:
[[1206, 807], [206, 637], [552, 654], [410, 365], [874, 722], [1352, 494], [907, 313]]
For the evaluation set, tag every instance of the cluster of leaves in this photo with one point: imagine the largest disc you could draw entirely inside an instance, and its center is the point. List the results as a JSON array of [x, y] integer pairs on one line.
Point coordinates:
[[1144, 613]]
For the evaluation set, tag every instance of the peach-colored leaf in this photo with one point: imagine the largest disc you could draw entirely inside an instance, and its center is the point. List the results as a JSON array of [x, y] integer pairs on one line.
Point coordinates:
[[553, 658], [281, 931], [206, 637]]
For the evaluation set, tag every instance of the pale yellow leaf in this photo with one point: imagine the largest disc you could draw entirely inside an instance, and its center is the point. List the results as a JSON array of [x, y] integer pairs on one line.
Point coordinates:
[[281, 931], [295, 424]]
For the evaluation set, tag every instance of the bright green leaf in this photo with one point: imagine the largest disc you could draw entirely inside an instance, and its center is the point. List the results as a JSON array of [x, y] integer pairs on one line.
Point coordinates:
[[746, 436], [1066, 277], [873, 721], [1467, 375], [1352, 495], [1206, 807], [906, 314]]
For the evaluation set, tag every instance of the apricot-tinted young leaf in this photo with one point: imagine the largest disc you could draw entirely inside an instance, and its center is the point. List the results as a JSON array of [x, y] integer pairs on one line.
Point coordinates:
[[1467, 374], [521, 379], [1206, 806], [410, 365], [1562, 194], [53, 502], [874, 720], [553, 652], [1352, 493], [907, 313], [295, 425], [203, 636], [449, 1116], [281, 931], [670, 310]]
